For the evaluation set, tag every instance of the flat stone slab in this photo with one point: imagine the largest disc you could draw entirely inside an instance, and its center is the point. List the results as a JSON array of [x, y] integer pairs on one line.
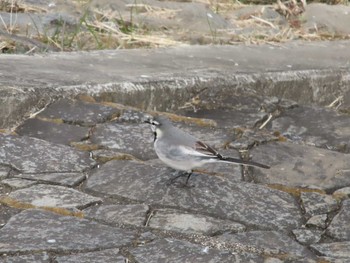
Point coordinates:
[[211, 195], [134, 139], [105, 256], [228, 111], [176, 251], [38, 230], [31, 155], [316, 203], [342, 193], [37, 258], [53, 196], [186, 223], [79, 112], [134, 214], [269, 243], [316, 126], [339, 228], [307, 236], [339, 250], [300, 165], [60, 133], [66, 179], [16, 183], [317, 221]]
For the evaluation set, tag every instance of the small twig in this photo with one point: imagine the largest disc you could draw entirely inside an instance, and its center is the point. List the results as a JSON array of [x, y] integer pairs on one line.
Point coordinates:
[[337, 100], [266, 122], [151, 214], [263, 21]]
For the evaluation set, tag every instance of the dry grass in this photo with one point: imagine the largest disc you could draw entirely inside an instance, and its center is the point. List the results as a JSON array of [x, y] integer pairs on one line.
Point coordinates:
[[110, 30]]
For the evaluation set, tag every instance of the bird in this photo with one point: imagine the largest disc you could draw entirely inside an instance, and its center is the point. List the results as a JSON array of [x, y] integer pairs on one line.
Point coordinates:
[[183, 152]]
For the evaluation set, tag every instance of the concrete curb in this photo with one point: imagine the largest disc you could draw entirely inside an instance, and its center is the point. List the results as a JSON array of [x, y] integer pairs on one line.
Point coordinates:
[[164, 79]]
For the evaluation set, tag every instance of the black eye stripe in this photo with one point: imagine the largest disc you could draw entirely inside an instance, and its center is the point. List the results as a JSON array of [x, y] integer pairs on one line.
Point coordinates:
[[155, 123]]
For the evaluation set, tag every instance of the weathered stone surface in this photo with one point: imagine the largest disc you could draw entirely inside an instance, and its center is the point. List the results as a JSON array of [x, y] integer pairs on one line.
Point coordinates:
[[269, 242], [53, 196], [307, 236], [317, 126], [134, 139], [339, 228], [79, 112], [299, 165], [4, 171], [31, 155], [329, 19], [315, 203], [6, 213], [53, 132], [37, 258], [119, 214], [211, 195], [33, 230], [106, 155], [317, 221], [104, 256], [193, 17], [336, 250], [16, 183], [176, 251], [229, 112], [183, 222], [67, 179], [342, 193]]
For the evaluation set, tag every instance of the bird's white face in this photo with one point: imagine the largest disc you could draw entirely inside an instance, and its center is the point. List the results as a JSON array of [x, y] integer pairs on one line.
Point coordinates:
[[155, 128]]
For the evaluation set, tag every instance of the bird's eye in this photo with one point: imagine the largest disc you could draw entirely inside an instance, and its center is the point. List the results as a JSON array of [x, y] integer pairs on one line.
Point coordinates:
[[155, 123]]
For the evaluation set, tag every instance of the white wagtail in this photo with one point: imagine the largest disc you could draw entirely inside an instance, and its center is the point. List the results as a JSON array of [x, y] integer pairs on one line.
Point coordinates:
[[183, 152]]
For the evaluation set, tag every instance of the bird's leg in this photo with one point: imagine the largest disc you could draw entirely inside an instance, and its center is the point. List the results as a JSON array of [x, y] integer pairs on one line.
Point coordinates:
[[181, 173], [188, 177]]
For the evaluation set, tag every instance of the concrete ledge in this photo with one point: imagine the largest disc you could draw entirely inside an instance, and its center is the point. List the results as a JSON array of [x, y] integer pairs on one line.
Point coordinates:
[[163, 79]]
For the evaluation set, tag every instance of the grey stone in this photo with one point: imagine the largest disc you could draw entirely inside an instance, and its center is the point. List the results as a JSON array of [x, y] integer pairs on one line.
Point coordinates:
[[211, 195], [327, 19], [16, 183], [134, 139], [339, 250], [66, 179], [6, 212], [317, 221], [298, 165], [4, 171], [269, 242], [307, 236], [315, 203], [53, 132], [186, 223], [342, 193], [79, 112], [33, 230], [312, 125], [104, 256], [119, 214], [53, 196], [176, 251], [229, 112], [193, 17], [31, 155], [339, 228], [37, 258]]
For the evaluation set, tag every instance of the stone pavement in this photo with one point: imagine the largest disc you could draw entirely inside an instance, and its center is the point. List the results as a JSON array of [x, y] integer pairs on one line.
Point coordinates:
[[80, 182]]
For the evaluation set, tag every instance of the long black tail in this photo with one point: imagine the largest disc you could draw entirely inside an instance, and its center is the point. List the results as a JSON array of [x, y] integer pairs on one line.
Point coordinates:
[[239, 161]]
